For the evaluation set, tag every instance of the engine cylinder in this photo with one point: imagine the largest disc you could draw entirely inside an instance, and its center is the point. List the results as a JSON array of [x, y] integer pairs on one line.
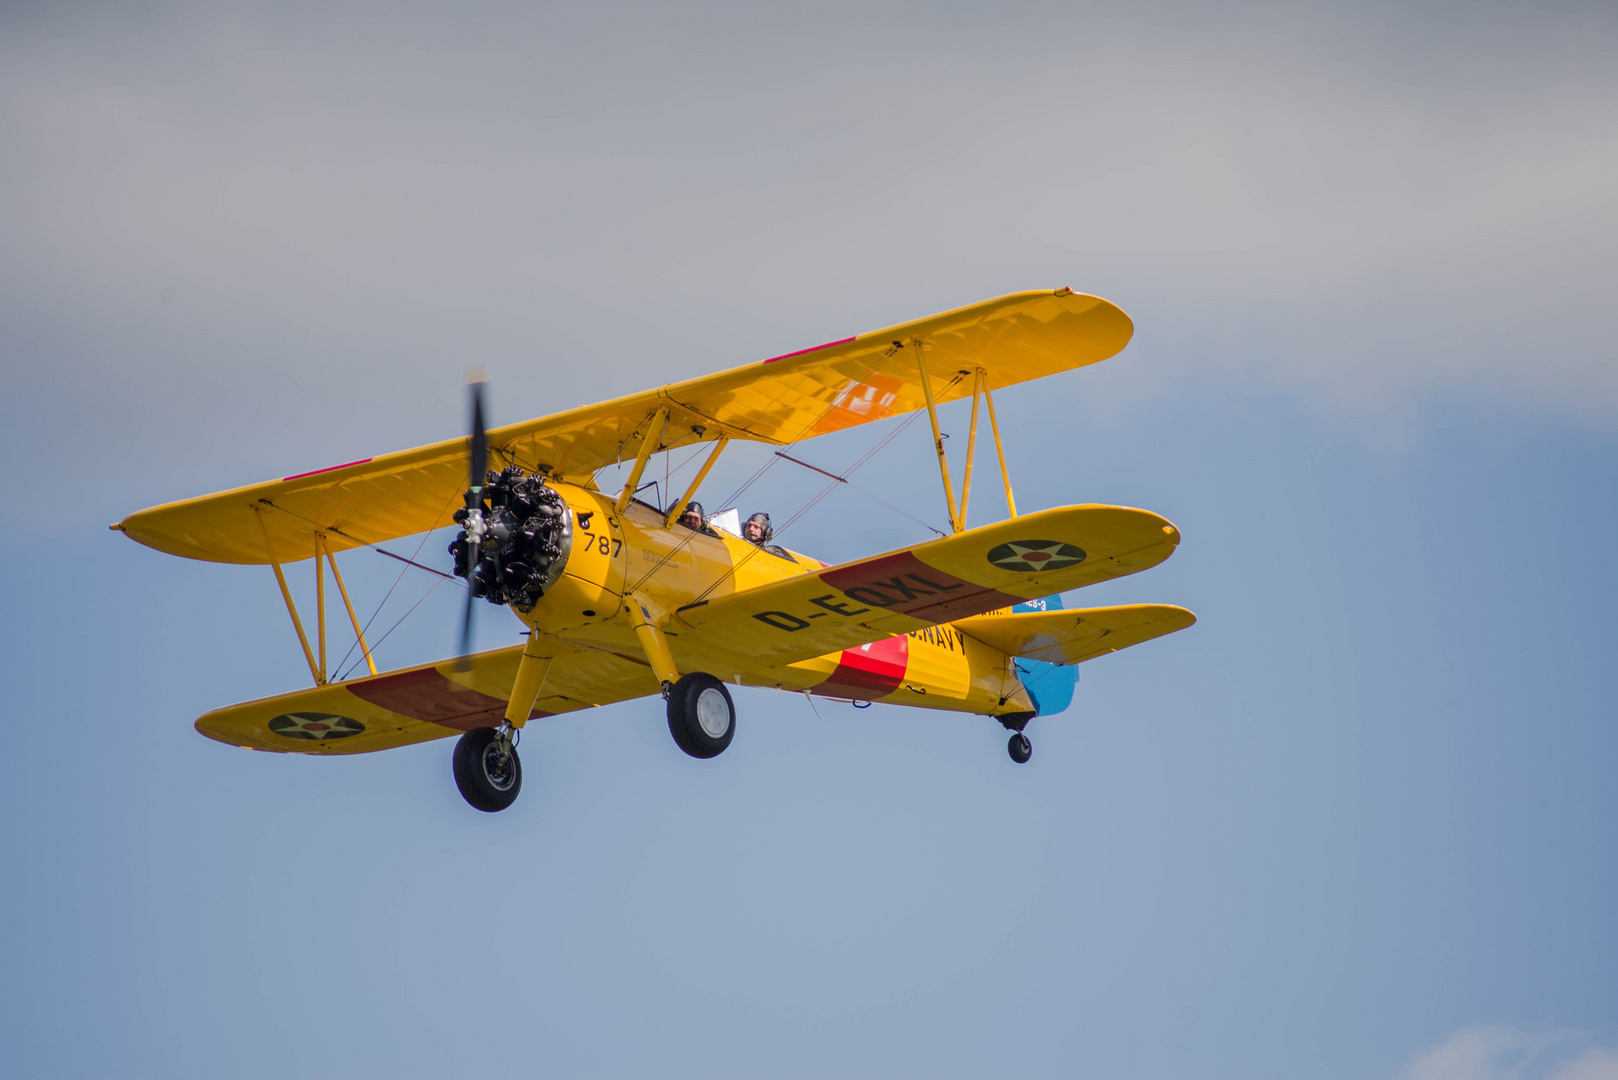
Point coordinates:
[[528, 535]]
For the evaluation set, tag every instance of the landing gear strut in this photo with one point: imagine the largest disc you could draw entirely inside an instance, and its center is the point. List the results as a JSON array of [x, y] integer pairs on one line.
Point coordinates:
[[487, 769], [1018, 747]]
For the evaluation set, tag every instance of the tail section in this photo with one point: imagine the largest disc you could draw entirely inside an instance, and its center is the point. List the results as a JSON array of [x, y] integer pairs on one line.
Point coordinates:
[[1041, 636], [1050, 686]]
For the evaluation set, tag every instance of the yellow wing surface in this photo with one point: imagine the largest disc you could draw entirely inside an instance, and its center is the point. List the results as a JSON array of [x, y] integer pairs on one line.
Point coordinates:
[[416, 704], [969, 573], [840, 384], [1072, 637]]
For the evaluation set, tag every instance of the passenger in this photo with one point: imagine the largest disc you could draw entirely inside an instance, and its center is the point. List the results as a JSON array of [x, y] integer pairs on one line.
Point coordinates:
[[758, 530], [693, 517]]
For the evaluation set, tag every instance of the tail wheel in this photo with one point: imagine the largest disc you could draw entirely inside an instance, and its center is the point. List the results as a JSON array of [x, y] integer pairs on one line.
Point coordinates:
[[487, 770], [702, 718]]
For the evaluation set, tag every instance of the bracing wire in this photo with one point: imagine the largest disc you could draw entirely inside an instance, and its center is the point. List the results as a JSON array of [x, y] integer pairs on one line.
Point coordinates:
[[344, 675], [729, 500], [867, 456], [381, 551], [403, 617], [442, 577], [409, 563], [669, 469], [827, 490], [868, 494]]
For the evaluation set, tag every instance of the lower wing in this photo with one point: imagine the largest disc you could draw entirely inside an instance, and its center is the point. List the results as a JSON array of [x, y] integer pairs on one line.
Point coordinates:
[[416, 704], [945, 580]]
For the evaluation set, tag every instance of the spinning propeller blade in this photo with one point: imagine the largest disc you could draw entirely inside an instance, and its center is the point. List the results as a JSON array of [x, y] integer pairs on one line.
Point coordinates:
[[478, 454], [479, 440]]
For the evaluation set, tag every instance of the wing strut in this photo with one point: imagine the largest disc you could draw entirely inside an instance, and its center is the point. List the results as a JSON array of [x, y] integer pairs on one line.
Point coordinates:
[[286, 594], [320, 605], [999, 448], [678, 506], [359, 634], [980, 385], [648, 446], [978, 381], [938, 440]]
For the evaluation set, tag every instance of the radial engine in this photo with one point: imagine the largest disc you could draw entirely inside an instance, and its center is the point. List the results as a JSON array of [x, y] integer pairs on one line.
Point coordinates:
[[527, 536]]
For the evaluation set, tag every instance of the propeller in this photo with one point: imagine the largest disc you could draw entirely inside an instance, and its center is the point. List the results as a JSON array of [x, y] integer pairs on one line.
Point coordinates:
[[478, 452]]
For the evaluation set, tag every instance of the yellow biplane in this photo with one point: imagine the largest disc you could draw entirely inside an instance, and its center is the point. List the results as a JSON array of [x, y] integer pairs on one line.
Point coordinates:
[[622, 600]]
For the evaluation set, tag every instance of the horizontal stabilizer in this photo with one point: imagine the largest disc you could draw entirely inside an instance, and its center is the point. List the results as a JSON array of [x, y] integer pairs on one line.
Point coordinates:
[[1071, 637]]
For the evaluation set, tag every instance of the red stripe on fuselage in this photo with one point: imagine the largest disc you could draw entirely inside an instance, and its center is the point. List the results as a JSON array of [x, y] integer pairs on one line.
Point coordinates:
[[905, 584], [870, 671], [428, 695]]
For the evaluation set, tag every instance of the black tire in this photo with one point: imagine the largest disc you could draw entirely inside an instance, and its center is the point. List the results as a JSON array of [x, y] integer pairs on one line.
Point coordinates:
[[477, 772], [692, 704], [1020, 748]]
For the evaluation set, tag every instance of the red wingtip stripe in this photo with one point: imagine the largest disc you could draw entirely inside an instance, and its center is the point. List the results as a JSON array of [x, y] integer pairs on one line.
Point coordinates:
[[810, 349], [329, 468]]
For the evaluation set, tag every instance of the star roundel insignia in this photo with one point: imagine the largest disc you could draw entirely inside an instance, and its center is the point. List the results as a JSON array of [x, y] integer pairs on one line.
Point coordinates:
[[1028, 556], [315, 725]]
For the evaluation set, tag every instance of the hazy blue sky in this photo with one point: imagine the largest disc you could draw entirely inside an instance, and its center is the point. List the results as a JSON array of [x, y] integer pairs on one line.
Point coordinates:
[[1358, 823]]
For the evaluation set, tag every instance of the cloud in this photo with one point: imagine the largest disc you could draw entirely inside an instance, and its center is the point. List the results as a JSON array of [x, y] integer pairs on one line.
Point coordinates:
[[318, 215], [1501, 1053]]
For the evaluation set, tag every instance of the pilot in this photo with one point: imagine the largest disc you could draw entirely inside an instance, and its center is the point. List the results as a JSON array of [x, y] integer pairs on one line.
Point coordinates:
[[757, 529], [693, 517]]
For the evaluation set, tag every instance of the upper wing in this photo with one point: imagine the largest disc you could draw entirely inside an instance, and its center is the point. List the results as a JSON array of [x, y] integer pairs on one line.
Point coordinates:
[[416, 704], [1071, 637], [843, 383], [969, 573]]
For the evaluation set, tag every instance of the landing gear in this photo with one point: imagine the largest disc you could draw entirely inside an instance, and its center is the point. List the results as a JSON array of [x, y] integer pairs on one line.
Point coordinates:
[[1019, 747], [487, 769], [702, 717]]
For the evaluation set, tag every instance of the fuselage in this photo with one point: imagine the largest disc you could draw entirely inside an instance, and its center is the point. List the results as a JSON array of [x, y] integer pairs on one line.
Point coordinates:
[[614, 555]]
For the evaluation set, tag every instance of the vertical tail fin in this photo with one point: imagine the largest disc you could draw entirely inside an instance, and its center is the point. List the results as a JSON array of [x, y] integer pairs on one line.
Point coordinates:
[[1050, 686]]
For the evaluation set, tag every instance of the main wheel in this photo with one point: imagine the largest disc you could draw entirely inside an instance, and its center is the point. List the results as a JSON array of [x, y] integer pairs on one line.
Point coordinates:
[[487, 771], [1020, 748], [702, 717]]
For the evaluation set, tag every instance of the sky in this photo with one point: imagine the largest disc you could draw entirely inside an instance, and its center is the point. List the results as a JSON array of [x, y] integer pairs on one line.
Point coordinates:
[[1357, 823]]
